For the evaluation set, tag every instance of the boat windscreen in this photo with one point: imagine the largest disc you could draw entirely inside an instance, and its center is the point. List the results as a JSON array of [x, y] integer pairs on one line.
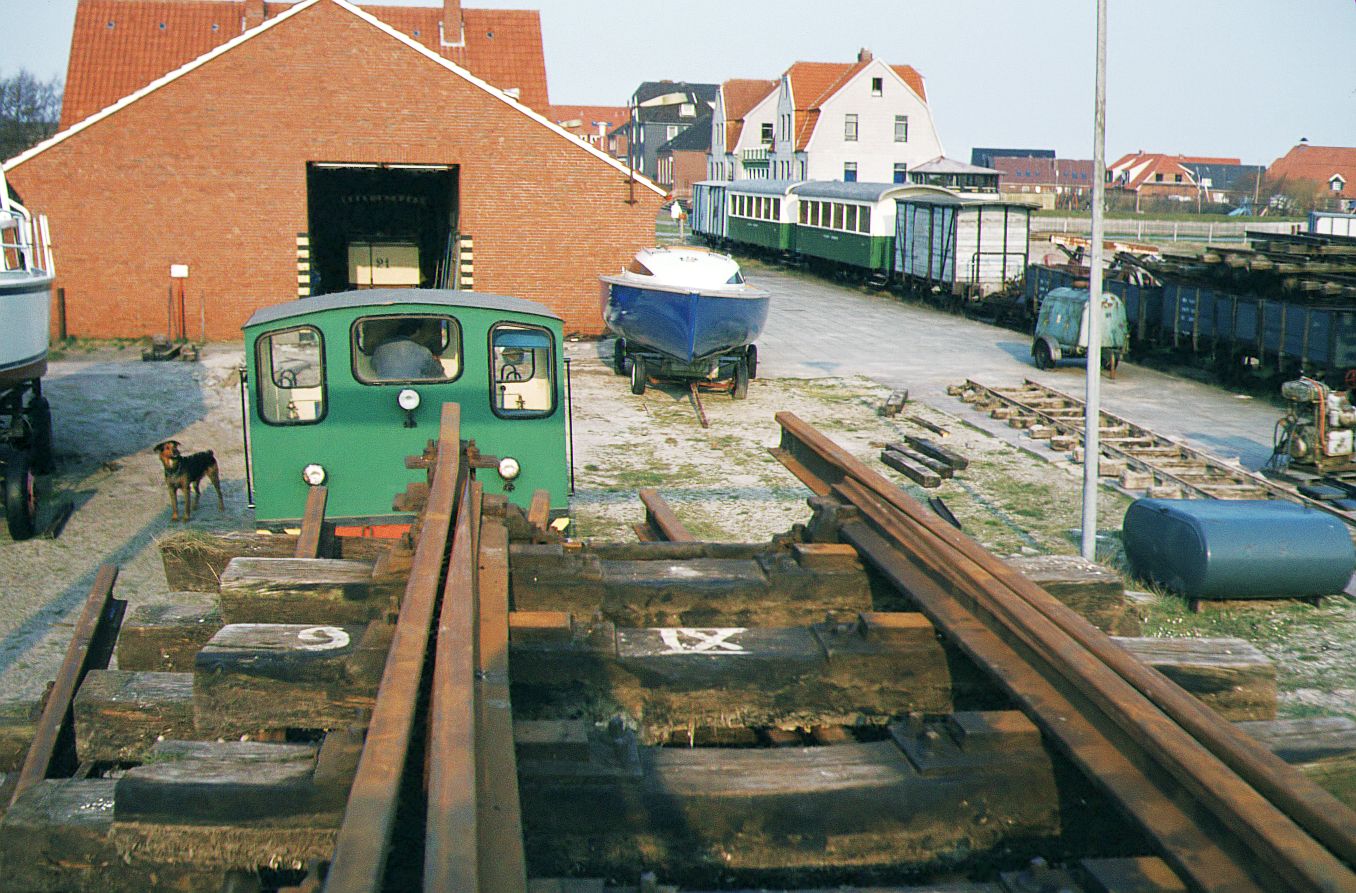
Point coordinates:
[[639, 268], [736, 279]]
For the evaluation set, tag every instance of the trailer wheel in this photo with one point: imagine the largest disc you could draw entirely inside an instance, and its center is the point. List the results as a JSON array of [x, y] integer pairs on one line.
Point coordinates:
[[740, 389], [21, 497], [751, 358], [637, 375], [1040, 353], [619, 356], [39, 414]]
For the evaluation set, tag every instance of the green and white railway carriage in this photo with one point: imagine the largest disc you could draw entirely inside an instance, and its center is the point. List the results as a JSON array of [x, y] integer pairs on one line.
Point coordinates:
[[761, 213], [965, 245], [852, 224], [342, 387], [709, 210]]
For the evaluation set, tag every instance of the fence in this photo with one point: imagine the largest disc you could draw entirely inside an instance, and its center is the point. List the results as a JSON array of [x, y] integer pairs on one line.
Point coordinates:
[[1166, 230]]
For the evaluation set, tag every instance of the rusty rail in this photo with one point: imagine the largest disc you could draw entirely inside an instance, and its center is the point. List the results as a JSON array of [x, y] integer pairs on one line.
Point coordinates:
[[90, 648], [660, 523], [1249, 823], [364, 837]]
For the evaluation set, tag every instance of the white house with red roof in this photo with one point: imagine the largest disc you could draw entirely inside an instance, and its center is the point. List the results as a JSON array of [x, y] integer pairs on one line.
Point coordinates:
[[1156, 174], [742, 129], [862, 120]]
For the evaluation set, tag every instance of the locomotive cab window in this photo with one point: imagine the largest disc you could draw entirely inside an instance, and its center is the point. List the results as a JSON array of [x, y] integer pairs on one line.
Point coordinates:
[[522, 371], [291, 367], [400, 349]]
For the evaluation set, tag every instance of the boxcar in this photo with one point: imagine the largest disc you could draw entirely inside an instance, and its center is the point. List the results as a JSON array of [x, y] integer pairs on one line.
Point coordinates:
[[761, 213], [966, 245], [849, 224], [709, 210], [342, 387]]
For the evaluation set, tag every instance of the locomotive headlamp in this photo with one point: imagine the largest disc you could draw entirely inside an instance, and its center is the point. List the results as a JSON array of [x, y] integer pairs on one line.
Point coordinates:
[[313, 474], [408, 399], [509, 468]]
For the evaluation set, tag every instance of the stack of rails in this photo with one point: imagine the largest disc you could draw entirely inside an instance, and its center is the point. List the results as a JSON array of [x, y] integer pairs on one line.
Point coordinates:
[[410, 762]]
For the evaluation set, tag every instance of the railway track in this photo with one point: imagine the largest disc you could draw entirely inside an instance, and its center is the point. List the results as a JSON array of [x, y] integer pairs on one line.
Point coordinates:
[[1139, 460], [487, 708]]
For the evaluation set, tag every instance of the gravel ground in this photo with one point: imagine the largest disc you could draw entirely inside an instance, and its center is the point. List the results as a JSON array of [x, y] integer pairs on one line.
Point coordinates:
[[110, 409]]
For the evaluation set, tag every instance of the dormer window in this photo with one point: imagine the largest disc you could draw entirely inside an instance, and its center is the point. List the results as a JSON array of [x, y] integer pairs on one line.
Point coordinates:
[[1337, 184], [687, 110]]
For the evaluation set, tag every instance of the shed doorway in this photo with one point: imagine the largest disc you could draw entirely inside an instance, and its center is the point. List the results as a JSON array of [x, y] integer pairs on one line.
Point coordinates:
[[381, 226]]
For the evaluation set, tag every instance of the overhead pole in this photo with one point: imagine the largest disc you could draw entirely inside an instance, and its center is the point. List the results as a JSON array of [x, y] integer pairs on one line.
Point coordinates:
[[1092, 425]]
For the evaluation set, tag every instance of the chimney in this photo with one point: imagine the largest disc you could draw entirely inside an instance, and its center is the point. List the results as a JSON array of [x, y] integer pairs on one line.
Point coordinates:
[[254, 13], [453, 35], [864, 55]]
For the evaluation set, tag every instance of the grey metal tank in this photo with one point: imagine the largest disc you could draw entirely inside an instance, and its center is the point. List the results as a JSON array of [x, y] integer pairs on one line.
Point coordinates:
[[1219, 548]]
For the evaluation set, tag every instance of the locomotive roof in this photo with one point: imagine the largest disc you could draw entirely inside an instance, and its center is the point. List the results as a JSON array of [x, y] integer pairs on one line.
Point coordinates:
[[393, 297]]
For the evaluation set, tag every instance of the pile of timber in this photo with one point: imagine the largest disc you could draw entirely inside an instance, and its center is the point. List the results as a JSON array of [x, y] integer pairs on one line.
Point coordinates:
[[923, 461], [1317, 269]]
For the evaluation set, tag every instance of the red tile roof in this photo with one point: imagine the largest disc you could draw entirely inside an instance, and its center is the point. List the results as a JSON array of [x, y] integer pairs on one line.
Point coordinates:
[[582, 120], [741, 95], [1318, 163], [120, 46], [812, 83], [1139, 169]]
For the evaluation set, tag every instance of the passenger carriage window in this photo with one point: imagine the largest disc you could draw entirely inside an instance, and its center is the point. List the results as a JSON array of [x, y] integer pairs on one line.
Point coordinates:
[[291, 366], [407, 348], [863, 219], [522, 371]]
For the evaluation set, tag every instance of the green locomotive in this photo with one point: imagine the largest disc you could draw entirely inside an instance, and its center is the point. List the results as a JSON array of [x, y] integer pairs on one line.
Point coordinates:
[[343, 386]]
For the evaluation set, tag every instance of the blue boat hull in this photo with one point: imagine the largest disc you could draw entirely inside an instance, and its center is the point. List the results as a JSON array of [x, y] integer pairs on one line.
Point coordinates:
[[687, 326]]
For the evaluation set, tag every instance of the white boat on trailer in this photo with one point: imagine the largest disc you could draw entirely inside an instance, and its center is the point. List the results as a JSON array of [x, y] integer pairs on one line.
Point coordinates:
[[25, 313]]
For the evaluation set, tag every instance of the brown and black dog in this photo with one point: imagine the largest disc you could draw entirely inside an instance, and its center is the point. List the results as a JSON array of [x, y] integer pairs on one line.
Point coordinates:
[[186, 473]]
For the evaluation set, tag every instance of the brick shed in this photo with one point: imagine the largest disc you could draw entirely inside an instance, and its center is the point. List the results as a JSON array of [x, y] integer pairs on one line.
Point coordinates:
[[322, 126]]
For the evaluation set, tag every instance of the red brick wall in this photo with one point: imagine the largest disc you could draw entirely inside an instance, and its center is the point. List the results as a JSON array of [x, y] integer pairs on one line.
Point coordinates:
[[210, 171], [688, 168]]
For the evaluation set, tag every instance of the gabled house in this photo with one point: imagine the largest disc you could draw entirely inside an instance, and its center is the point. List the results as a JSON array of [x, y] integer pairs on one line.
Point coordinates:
[[596, 125], [660, 110], [266, 166], [742, 123], [1333, 168], [120, 46], [682, 160], [1158, 176], [862, 120]]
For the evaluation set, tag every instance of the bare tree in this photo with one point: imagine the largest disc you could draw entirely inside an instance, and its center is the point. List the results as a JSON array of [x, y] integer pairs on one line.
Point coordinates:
[[29, 111]]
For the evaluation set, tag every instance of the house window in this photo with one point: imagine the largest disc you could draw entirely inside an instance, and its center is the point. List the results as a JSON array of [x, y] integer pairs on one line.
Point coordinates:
[[1336, 184], [849, 172], [901, 128], [1158, 178], [670, 131], [901, 172], [1176, 178], [850, 128], [687, 110], [767, 133], [877, 86]]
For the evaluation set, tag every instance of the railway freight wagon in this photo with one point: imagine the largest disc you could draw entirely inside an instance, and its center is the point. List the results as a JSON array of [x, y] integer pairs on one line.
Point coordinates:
[[761, 214], [342, 387], [709, 210], [1288, 337], [848, 224], [964, 245]]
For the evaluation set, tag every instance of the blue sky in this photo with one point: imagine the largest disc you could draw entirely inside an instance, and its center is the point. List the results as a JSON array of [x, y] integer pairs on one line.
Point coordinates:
[[1246, 78]]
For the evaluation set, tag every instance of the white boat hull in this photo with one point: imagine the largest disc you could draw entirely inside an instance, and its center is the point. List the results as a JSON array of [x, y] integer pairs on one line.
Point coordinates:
[[25, 324]]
